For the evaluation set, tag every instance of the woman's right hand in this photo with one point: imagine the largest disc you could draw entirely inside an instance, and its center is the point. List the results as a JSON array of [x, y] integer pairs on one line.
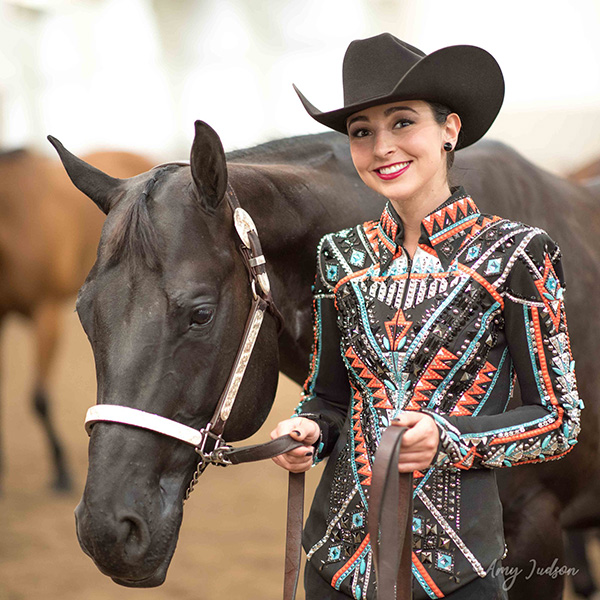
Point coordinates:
[[305, 430]]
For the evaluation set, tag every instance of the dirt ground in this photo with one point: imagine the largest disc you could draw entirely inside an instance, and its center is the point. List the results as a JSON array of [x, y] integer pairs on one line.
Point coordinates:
[[232, 537], [231, 542]]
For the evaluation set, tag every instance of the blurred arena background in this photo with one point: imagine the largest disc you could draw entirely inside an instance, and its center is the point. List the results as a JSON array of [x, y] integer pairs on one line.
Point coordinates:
[[134, 75]]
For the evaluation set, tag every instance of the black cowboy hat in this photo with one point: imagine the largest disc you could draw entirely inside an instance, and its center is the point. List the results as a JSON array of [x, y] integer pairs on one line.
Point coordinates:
[[383, 69]]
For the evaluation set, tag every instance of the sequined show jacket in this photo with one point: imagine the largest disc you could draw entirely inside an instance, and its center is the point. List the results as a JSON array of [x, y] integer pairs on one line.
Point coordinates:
[[444, 333]]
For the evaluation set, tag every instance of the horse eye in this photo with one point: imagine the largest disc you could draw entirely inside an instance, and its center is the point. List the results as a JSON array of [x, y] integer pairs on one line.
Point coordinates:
[[201, 316]]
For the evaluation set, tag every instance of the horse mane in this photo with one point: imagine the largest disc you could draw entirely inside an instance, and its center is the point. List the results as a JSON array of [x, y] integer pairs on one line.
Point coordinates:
[[134, 236], [298, 149]]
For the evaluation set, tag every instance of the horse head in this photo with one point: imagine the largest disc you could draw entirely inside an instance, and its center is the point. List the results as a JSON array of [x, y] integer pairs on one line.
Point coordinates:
[[164, 308]]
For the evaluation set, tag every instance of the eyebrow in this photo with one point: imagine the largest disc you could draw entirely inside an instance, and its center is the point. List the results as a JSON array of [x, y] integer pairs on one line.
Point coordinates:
[[387, 113]]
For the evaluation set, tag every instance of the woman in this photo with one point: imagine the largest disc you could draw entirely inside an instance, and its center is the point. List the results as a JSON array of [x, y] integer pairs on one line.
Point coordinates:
[[423, 319]]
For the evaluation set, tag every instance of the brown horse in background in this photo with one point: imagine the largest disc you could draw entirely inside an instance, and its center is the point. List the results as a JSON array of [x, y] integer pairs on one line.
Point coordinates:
[[48, 237], [586, 173]]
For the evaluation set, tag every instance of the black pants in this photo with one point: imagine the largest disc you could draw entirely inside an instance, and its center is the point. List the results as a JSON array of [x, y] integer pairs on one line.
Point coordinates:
[[488, 588]]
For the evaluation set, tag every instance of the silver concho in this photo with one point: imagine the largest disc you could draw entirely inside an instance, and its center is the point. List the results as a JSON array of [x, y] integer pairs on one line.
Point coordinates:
[[263, 280], [243, 224]]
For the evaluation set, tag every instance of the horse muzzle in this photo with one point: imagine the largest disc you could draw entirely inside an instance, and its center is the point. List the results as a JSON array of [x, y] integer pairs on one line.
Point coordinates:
[[121, 545], [129, 517]]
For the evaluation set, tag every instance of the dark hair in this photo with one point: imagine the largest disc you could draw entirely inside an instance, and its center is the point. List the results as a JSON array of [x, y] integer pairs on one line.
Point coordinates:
[[440, 114]]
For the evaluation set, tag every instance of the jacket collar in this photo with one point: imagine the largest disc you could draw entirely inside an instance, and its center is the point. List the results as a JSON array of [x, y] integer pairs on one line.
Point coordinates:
[[444, 229]]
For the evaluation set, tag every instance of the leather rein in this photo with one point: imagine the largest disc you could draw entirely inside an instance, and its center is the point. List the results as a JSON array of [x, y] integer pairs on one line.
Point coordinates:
[[212, 448]]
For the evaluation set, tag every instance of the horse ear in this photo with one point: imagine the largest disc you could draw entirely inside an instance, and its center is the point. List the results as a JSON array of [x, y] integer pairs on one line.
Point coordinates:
[[209, 168], [100, 187]]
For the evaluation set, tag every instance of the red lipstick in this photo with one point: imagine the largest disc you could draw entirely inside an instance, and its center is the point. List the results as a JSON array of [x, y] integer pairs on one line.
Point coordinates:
[[392, 171]]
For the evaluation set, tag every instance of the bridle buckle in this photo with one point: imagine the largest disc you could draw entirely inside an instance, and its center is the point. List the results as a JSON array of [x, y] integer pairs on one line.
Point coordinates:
[[218, 455]]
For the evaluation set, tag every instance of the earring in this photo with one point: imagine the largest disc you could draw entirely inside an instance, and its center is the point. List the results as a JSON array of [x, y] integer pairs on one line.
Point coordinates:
[[448, 147]]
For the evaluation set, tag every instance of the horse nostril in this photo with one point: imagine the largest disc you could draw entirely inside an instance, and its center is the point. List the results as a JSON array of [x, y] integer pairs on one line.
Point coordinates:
[[134, 536]]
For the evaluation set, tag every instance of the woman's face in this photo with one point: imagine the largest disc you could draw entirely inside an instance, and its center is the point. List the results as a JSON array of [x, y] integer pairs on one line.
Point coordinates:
[[397, 149]]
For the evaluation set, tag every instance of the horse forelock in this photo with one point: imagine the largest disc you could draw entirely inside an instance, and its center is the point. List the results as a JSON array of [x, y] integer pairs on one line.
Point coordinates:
[[133, 236]]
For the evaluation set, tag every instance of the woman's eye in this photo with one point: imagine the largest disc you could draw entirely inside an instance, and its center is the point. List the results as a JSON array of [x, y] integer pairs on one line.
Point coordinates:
[[358, 133], [403, 123], [201, 316]]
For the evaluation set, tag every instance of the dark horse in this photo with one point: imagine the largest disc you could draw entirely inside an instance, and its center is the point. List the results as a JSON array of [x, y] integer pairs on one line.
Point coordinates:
[[165, 304]]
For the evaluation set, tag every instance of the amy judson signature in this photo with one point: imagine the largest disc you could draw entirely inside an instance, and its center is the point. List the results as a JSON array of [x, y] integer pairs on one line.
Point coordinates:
[[511, 573]]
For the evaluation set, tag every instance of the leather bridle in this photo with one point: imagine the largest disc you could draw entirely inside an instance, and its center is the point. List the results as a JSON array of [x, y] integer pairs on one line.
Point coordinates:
[[221, 453]]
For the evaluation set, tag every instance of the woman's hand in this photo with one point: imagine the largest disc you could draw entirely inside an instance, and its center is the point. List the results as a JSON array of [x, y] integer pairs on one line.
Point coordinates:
[[419, 443], [305, 430]]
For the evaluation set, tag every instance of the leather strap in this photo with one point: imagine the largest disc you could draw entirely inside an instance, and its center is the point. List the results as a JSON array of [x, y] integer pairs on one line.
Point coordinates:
[[293, 537], [254, 260], [295, 507], [244, 353], [389, 520], [275, 447], [126, 415]]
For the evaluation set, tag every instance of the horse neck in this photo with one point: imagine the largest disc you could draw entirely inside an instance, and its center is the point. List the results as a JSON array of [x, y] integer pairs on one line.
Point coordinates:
[[284, 218], [311, 191]]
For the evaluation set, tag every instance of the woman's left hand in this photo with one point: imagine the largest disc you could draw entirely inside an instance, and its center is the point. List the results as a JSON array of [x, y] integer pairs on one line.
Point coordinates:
[[420, 442]]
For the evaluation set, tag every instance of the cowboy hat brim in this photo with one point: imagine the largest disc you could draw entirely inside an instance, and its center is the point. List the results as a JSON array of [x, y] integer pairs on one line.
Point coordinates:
[[466, 79]]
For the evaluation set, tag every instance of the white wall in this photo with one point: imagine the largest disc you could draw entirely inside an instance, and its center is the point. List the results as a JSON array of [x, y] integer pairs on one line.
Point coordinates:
[[136, 73]]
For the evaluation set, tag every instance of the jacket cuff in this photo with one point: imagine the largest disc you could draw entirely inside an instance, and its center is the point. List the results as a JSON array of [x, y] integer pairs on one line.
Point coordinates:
[[321, 444], [448, 452]]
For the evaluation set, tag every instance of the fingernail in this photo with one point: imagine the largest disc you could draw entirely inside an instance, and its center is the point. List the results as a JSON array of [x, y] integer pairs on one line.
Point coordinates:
[[296, 432], [308, 454]]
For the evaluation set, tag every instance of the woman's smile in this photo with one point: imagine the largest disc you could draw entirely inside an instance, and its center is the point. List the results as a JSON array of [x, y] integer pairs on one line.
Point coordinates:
[[392, 171], [397, 149]]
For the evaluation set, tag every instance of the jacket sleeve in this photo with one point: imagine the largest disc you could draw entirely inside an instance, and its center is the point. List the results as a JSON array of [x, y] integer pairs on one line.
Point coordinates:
[[546, 426], [326, 392]]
